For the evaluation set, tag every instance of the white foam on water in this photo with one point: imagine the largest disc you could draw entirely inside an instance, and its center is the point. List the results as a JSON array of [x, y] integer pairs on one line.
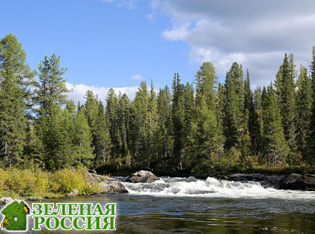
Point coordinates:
[[212, 187]]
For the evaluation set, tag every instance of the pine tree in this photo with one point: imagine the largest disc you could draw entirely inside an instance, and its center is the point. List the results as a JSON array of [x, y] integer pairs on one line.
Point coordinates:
[[276, 148], [286, 92], [15, 80], [51, 87], [304, 110]]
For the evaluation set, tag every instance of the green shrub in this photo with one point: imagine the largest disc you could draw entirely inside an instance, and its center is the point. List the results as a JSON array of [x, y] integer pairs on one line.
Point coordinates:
[[65, 180]]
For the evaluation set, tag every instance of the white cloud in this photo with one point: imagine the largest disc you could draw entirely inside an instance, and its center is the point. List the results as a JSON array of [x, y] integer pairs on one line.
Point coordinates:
[[137, 77], [254, 33], [79, 91]]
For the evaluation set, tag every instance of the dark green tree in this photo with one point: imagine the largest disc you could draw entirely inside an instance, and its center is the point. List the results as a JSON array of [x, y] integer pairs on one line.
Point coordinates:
[[102, 137], [83, 147], [251, 116], [304, 110], [51, 87], [207, 137], [178, 113], [233, 106], [15, 81], [276, 149], [286, 93], [112, 118]]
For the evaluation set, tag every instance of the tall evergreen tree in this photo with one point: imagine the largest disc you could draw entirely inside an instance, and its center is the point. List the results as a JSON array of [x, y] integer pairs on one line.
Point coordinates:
[[51, 87], [286, 92], [102, 137], [123, 118], [276, 148], [15, 79], [304, 110], [311, 136], [233, 105], [206, 132], [251, 116], [312, 70], [164, 131], [257, 140], [178, 112], [112, 118], [83, 140]]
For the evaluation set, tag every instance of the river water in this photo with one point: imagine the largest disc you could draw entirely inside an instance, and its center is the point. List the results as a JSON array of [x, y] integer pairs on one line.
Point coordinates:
[[189, 205]]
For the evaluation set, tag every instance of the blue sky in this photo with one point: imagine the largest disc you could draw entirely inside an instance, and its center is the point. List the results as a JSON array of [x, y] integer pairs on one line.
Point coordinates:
[[119, 43]]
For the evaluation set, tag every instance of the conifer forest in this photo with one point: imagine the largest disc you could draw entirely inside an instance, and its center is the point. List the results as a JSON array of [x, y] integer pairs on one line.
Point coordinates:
[[199, 127]]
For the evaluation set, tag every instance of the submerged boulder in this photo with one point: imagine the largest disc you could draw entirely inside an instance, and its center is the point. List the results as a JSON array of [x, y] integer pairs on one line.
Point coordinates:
[[299, 182], [142, 177]]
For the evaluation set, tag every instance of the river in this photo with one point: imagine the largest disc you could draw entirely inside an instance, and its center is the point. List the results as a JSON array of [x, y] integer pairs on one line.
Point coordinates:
[[189, 205]]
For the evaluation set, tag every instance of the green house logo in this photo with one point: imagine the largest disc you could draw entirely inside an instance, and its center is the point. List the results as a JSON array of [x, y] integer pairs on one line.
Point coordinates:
[[15, 216]]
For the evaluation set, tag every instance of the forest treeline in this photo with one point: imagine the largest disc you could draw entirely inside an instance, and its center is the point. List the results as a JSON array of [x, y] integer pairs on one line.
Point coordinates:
[[202, 126]]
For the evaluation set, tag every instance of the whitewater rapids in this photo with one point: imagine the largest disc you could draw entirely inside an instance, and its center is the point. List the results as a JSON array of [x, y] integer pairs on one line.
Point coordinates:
[[212, 187]]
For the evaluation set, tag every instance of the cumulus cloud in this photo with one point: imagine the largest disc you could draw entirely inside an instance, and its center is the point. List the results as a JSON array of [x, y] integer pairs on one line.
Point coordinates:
[[254, 33], [136, 77], [79, 92]]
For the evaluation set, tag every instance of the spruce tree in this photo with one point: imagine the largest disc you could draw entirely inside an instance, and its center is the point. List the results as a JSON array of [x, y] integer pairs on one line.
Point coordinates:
[[312, 70], [83, 147], [304, 110], [164, 131], [276, 149], [178, 112], [251, 116], [102, 137], [112, 118], [206, 137], [233, 105], [15, 81], [311, 136], [286, 92], [123, 119]]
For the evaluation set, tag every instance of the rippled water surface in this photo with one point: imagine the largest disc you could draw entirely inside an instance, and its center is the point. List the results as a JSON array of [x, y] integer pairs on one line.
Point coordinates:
[[177, 205]]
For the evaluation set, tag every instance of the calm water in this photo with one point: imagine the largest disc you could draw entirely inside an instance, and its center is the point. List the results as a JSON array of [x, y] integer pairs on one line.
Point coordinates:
[[180, 205]]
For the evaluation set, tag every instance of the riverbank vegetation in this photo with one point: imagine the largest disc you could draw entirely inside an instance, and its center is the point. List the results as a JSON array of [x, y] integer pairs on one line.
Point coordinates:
[[19, 183], [199, 127]]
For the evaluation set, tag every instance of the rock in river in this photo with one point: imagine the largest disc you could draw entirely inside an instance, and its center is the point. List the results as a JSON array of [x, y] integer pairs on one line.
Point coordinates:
[[299, 182], [113, 187], [142, 177]]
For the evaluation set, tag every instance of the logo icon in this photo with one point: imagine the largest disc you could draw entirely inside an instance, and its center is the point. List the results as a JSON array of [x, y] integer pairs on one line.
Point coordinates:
[[15, 216]]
